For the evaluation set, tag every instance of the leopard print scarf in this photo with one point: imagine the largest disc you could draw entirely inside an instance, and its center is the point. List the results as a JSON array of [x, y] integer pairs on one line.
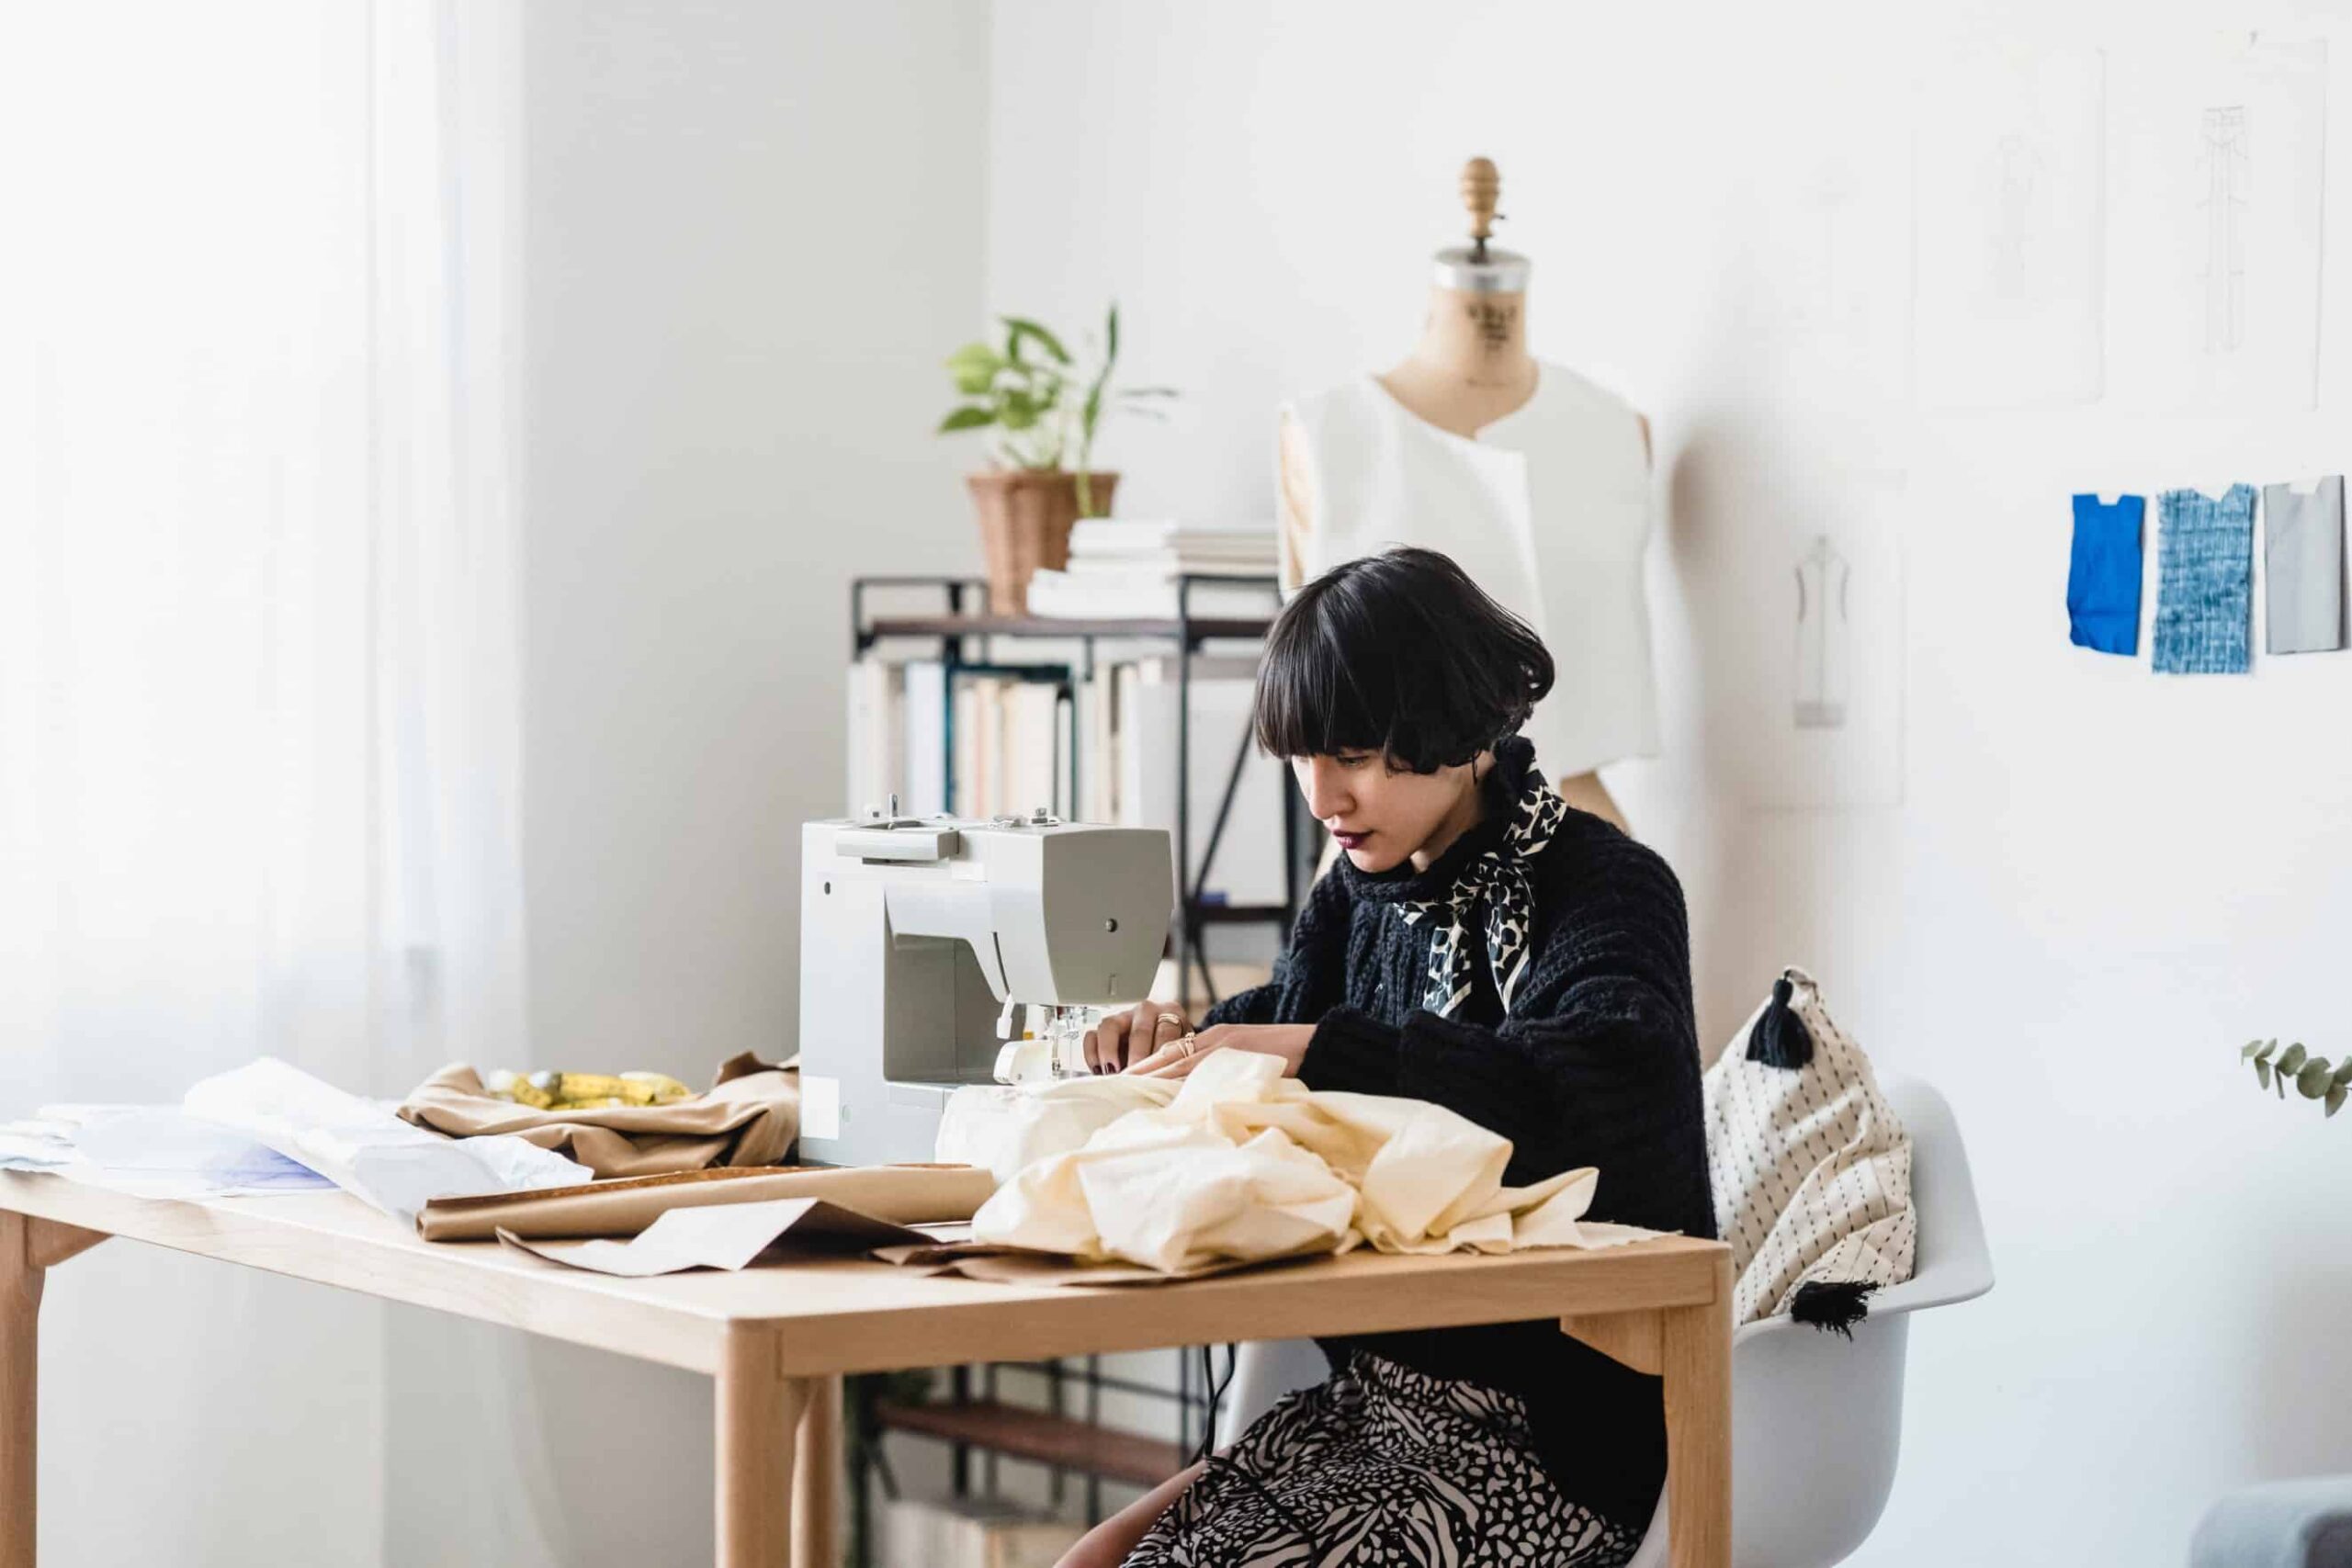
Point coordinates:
[[1498, 879]]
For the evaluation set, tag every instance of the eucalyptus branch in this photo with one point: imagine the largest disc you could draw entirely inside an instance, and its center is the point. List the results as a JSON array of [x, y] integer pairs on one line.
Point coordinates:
[[2312, 1077]]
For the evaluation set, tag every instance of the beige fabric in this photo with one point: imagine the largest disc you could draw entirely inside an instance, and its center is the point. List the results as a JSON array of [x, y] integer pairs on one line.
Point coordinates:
[[1810, 1167], [901, 1194], [1239, 1163], [750, 1116]]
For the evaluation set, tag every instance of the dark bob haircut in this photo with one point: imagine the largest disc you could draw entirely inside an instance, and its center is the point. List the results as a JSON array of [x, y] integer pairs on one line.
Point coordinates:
[[1402, 654]]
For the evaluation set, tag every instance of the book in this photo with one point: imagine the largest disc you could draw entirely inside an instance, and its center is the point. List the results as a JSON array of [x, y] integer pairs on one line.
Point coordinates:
[[1057, 595], [924, 712]]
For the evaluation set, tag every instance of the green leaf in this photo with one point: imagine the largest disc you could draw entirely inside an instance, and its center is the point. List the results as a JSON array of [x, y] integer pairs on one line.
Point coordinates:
[[1111, 337], [971, 416], [1020, 327], [2312, 1082], [974, 366], [2267, 1048], [2292, 1062], [1017, 411], [2251, 1047], [2343, 1073], [2262, 1074], [2336, 1099]]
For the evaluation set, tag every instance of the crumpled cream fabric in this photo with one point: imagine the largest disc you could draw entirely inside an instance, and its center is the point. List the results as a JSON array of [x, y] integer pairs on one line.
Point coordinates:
[[1007, 1126], [1238, 1162]]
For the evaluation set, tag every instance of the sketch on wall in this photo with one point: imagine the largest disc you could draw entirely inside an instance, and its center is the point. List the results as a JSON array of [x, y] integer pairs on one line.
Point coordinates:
[[1828, 231], [2007, 228], [1825, 628], [1805, 687], [2215, 169]]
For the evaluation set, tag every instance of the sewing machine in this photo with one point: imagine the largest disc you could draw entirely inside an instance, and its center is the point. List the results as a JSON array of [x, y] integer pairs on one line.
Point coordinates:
[[919, 938]]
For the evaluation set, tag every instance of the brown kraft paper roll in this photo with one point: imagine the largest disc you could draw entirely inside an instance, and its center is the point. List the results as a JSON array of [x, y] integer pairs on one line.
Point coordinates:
[[901, 1194]]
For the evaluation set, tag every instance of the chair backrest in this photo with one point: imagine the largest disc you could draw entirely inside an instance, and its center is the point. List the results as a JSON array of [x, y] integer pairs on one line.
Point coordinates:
[[1817, 1420]]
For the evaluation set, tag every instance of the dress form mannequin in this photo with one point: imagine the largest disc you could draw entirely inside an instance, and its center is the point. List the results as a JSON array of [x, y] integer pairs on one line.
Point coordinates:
[[1470, 369]]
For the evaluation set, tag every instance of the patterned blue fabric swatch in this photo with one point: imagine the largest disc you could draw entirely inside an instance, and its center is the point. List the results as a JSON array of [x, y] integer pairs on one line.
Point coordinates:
[[2205, 582], [2103, 585]]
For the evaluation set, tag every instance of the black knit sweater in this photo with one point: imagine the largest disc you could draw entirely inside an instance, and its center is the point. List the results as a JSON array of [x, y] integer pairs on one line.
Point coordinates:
[[1596, 1063]]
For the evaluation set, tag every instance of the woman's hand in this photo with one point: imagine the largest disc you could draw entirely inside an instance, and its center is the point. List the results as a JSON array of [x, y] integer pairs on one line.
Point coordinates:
[[1120, 1040], [1177, 1057]]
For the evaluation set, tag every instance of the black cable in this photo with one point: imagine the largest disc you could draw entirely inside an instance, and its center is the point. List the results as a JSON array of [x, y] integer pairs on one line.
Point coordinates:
[[1207, 1459]]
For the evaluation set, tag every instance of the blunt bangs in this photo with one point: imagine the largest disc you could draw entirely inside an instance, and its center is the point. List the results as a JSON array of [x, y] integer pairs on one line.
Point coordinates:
[[1398, 653]]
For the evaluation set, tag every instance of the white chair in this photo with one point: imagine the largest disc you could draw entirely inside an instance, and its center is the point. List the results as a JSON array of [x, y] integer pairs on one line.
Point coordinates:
[[1816, 1420]]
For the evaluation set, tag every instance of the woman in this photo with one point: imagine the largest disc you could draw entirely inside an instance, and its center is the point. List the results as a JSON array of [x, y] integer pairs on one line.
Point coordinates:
[[1484, 946]]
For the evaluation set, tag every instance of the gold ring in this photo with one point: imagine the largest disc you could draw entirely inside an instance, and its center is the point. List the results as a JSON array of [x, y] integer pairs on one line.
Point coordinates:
[[1187, 1043]]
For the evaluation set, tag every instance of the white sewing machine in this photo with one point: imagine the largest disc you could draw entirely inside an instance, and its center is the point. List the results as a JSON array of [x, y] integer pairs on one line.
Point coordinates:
[[920, 936]]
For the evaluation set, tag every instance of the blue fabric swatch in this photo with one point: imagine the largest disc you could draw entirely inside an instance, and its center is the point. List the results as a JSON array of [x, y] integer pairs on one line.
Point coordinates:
[[2205, 582], [2103, 585]]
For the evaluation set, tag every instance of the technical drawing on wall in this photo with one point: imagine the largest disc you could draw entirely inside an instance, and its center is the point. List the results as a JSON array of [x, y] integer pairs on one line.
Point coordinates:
[[1825, 628], [2223, 150], [2214, 260], [1828, 228], [2009, 220]]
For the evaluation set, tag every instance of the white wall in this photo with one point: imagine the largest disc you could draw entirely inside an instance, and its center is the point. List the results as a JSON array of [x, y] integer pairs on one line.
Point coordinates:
[[753, 235], [2099, 883]]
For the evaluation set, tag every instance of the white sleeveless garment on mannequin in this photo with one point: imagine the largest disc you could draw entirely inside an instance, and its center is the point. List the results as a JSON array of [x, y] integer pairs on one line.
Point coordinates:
[[1547, 510]]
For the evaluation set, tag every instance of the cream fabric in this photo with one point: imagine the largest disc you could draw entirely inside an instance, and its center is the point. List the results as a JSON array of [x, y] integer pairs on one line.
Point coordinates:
[[1238, 1162], [1810, 1170]]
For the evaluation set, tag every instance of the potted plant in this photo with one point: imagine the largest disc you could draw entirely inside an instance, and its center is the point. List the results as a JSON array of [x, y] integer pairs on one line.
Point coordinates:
[[1045, 410]]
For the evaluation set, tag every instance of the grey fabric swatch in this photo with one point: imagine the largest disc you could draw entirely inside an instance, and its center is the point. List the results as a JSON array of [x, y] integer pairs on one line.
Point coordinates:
[[2302, 556]]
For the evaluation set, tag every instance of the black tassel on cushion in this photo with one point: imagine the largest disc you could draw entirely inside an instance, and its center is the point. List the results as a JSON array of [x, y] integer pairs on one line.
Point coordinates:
[[1834, 1306], [1779, 1039]]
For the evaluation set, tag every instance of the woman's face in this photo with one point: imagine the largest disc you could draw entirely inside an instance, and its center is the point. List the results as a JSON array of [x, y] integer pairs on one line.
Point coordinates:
[[1380, 817]]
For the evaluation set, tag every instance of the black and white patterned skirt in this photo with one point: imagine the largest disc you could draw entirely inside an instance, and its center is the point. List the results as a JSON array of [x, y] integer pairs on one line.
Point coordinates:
[[1381, 1465]]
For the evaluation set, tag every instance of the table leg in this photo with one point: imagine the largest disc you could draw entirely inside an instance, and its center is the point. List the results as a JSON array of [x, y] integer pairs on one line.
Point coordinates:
[[817, 1478], [1694, 1354], [29, 1248], [20, 1282], [758, 1412]]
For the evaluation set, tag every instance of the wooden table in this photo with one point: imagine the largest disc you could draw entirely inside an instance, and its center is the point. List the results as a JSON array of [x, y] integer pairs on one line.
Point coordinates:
[[777, 1339]]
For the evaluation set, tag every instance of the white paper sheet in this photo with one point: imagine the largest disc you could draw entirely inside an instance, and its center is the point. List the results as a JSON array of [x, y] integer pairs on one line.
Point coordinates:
[[363, 1148], [722, 1236], [2010, 217], [2216, 158], [150, 1151]]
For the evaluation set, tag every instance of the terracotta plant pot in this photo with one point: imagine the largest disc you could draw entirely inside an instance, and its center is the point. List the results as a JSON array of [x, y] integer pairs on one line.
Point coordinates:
[[1026, 518]]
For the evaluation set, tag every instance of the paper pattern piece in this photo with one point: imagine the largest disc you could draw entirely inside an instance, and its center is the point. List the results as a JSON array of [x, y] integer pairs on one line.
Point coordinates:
[[2215, 163], [726, 1235], [364, 1149], [902, 1194], [2103, 580], [2010, 216], [1242, 1165], [2205, 582], [2302, 562]]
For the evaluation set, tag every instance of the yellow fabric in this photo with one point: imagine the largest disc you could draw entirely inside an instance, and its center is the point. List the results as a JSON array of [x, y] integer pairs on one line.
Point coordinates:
[[1239, 1162]]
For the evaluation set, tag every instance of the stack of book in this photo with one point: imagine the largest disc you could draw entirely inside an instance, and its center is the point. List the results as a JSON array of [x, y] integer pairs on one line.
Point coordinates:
[[1129, 569]]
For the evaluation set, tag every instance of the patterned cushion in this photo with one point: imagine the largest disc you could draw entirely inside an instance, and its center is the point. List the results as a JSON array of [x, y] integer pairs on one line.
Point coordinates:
[[1810, 1170]]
